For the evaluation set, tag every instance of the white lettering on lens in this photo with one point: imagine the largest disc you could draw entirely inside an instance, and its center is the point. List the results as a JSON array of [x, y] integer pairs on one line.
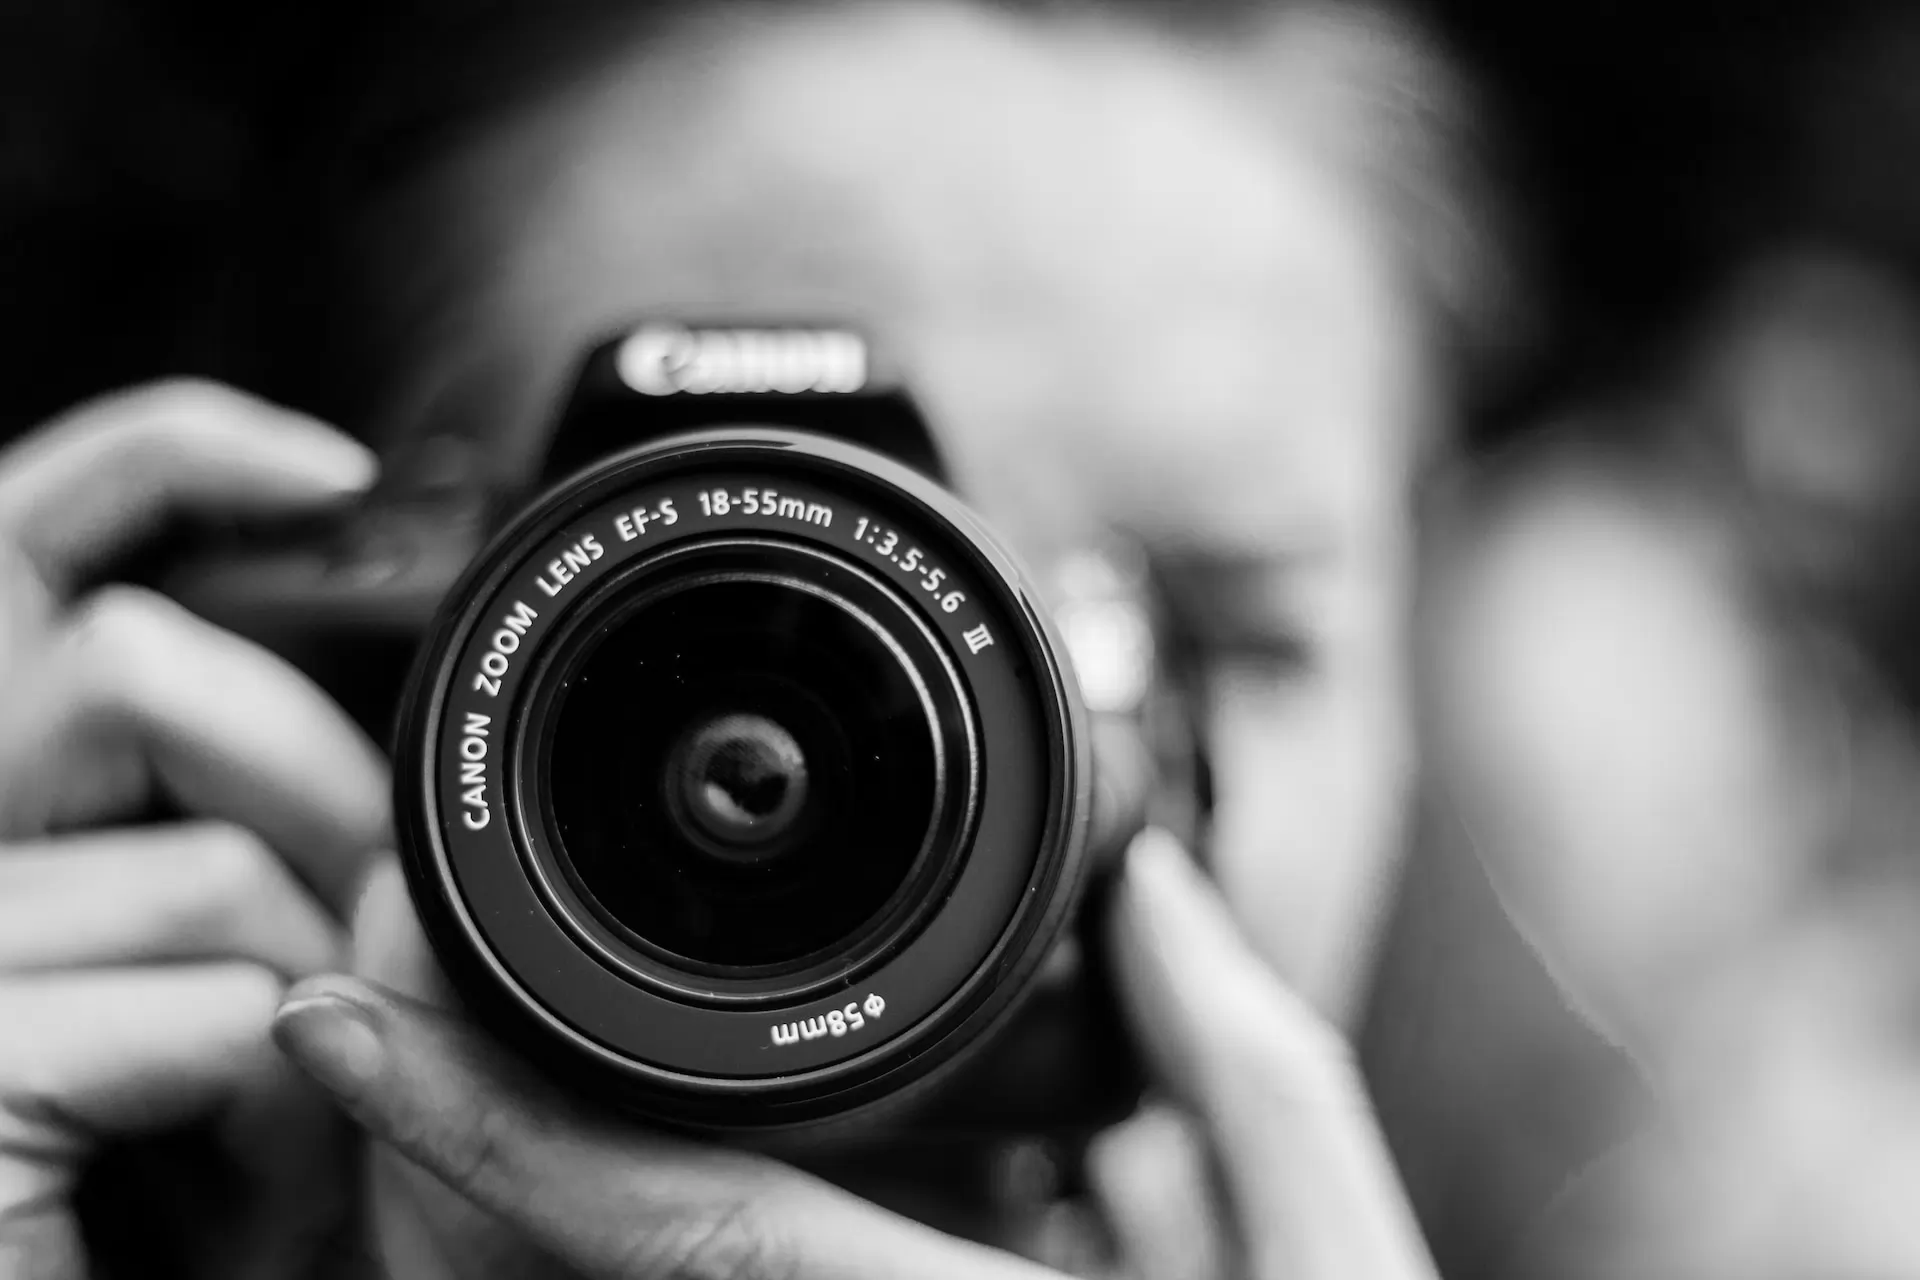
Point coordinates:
[[473, 772], [666, 359], [571, 561], [762, 502], [495, 661], [634, 523], [837, 1022], [978, 638]]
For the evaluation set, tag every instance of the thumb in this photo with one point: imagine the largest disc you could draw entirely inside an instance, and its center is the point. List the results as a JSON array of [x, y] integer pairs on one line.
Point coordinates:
[[580, 1187], [604, 1197], [418, 1225], [1312, 1186]]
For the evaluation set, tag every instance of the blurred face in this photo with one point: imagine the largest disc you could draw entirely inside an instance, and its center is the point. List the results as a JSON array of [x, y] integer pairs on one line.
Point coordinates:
[[1645, 776], [1134, 282]]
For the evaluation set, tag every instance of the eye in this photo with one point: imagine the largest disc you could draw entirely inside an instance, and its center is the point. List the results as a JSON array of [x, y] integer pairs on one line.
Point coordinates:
[[1251, 611]]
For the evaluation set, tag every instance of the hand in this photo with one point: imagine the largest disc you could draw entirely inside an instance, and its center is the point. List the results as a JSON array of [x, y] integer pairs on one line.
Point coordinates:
[[1271, 1087], [140, 964]]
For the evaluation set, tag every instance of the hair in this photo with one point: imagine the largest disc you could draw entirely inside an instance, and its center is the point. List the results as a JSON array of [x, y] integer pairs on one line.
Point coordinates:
[[364, 262], [315, 317]]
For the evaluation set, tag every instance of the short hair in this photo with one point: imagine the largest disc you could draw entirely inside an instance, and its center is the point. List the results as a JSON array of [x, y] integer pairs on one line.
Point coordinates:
[[372, 265]]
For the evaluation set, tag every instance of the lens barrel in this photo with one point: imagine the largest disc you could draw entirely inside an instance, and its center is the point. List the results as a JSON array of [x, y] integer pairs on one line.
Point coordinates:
[[741, 781]]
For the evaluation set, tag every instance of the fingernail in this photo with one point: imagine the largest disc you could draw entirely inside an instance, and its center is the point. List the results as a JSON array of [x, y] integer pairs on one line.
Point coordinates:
[[335, 460], [351, 466], [333, 1038], [1172, 901], [1156, 858]]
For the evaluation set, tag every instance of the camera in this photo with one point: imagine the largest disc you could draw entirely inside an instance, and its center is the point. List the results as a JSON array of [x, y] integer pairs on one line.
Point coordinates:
[[741, 777]]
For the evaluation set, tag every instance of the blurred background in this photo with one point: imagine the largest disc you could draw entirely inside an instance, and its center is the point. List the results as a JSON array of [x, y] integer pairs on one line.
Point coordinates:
[[1661, 882]]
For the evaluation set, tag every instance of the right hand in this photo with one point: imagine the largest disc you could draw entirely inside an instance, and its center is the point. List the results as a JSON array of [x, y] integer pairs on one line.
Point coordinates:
[[484, 1169], [140, 961]]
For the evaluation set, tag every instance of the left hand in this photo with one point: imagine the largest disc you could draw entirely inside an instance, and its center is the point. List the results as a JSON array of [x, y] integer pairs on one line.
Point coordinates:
[[1270, 1085], [146, 1122]]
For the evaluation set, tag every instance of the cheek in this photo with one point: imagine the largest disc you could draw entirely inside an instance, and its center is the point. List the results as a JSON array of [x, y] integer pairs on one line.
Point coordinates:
[[1313, 782]]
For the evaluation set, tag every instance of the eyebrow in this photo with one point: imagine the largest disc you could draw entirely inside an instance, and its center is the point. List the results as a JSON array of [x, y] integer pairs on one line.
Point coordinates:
[[1241, 603]]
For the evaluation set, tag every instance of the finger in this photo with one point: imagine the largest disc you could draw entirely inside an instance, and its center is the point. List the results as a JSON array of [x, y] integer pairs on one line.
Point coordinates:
[[223, 727], [103, 1054], [128, 1051], [1314, 1192], [89, 483], [423, 1226], [1123, 783], [610, 1200], [198, 891], [295, 1157], [390, 949], [1153, 1179]]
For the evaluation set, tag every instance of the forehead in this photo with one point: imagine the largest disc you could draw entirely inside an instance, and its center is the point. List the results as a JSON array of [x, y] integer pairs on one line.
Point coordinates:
[[1124, 284]]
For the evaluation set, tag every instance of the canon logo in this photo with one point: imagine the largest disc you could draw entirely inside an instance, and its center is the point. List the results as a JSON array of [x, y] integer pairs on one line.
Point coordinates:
[[665, 360]]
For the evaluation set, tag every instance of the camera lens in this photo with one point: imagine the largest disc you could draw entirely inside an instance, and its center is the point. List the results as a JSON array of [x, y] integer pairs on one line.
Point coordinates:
[[736, 784], [740, 782], [743, 769]]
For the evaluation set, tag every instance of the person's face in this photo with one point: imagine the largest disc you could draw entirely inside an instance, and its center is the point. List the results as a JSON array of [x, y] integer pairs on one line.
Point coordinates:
[[1129, 288]]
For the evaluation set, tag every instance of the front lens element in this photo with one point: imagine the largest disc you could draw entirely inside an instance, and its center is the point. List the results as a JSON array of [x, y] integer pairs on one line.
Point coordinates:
[[740, 782], [737, 784], [742, 772]]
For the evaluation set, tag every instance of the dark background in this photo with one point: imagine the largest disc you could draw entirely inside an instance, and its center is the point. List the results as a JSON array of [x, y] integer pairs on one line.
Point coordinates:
[[1648, 147]]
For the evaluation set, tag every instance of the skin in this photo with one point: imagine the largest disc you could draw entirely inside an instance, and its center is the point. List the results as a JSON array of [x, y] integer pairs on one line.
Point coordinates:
[[140, 965], [1163, 245]]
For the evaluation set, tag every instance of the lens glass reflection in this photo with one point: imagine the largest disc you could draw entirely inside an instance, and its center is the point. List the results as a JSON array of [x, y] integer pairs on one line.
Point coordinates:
[[741, 772]]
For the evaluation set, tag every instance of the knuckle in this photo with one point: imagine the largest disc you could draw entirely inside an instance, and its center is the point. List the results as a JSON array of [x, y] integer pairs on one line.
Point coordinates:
[[155, 432], [1311, 1066], [115, 620], [255, 987], [476, 1150], [157, 425], [733, 1241], [115, 633], [234, 863], [186, 399], [248, 996]]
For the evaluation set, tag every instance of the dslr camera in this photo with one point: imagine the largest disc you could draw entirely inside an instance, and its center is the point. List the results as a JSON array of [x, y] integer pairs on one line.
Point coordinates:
[[742, 779]]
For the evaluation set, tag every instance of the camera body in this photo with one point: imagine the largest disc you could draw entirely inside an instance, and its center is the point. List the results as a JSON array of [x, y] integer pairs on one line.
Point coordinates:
[[741, 777]]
